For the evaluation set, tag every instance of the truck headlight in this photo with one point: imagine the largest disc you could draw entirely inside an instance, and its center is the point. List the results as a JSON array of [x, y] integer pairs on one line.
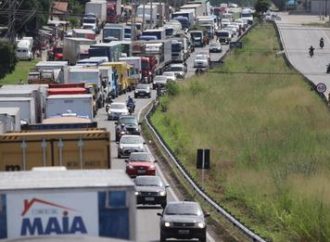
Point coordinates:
[[167, 224], [137, 193], [130, 167], [201, 225]]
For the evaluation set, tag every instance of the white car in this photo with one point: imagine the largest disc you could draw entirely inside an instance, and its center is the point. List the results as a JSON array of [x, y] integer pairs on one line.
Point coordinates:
[[170, 74], [130, 143], [179, 70], [202, 61], [160, 81], [142, 90], [117, 109]]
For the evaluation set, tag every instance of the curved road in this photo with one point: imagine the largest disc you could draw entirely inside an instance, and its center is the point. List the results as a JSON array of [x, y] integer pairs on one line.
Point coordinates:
[[297, 38], [147, 219]]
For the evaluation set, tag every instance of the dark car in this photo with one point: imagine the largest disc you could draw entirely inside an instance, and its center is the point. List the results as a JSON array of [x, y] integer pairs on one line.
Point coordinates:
[[182, 220], [142, 90], [140, 163], [150, 190], [126, 124]]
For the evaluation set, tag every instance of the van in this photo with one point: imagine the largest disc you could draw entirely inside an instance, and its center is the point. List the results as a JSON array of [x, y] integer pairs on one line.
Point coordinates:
[[24, 49]]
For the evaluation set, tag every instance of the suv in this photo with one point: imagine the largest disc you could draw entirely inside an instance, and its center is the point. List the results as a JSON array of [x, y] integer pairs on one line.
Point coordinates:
[[182, 220], [179, 70], [126, 124], [142, 90]]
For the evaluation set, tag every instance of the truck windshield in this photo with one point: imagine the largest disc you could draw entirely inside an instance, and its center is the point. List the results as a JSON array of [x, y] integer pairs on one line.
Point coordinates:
[[112, 33], [145, 65], [176, 47], [223, 34], [169, 32], [246, 15], [89, 20], [194, 35]]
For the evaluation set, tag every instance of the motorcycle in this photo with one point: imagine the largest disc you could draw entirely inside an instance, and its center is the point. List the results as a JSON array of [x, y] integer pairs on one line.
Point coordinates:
[[311, 51], [131, 107], [321, 43]]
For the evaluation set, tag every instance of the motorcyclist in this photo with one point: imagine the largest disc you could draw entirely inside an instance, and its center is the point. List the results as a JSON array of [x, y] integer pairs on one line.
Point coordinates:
[[321, 43], [311, 51], [130, 103]]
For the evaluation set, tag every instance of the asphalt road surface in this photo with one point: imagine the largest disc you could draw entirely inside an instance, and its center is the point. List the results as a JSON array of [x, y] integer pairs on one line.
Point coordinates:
[[297, 38], [147, 219]]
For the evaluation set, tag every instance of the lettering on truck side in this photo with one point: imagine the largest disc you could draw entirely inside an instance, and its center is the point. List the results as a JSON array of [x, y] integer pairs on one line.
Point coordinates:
[[54, 225]]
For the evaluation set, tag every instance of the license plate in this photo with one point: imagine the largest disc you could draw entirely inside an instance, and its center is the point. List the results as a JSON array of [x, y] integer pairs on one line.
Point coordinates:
[[183, 231], [141, 171], [149, 199]]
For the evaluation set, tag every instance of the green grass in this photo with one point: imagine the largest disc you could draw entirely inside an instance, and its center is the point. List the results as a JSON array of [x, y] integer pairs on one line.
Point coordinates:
[[269, 137], [21, 72]]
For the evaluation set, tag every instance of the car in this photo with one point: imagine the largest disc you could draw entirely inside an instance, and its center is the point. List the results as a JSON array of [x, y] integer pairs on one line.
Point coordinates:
[[117, 109], [150, 190], [140, 163], [180, 70], [126, 124], [215, 47], [182, 220], [142, 90], [202, 61], [129, 143], [159, 81], [170, 75]]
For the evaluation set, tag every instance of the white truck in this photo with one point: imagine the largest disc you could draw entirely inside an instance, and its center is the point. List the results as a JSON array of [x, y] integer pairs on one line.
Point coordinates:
[[150, 14], [58, 69], [99, 8], [113, 32], [198, 9], [72, 49], [24, 48], [10, 117], [26, 106], [180, 49], [57, 202], [79, 104]]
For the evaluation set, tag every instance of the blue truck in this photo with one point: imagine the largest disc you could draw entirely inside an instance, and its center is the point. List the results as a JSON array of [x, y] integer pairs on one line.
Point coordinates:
[[111, 50]]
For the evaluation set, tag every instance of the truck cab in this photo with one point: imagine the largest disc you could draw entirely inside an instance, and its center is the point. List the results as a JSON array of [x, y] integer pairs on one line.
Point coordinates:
[[197, 38]]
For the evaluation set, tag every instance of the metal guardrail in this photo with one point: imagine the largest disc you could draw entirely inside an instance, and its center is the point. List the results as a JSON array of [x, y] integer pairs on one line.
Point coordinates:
[[250, 234]]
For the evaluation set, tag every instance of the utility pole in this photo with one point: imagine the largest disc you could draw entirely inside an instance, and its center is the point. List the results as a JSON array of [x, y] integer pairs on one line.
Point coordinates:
[[151, 17], [143, 16], [11, 33]]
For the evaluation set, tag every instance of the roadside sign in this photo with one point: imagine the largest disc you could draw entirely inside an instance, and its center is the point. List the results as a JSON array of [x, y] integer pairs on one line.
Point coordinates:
[[321, 87], [236, 44], [203, 159]]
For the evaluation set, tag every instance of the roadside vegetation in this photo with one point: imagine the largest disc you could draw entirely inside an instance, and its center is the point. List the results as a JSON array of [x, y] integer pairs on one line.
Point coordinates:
[[269, 137], [21, 72]]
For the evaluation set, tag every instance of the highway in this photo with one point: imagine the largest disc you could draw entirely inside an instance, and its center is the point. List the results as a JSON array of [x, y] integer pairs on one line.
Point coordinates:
[[296, 40], [147, 219]]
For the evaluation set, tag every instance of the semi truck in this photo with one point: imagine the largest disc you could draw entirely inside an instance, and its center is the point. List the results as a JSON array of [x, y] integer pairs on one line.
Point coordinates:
[[74, 149], [110, 50], [135, 62], [180, 49], [113, 31], [150, 14], [197, 7], [73, 51], [57, 202], [121, 72], [10, 117], [80, 104], [84, 33], [99, 9], [113, 11], [187, 14]]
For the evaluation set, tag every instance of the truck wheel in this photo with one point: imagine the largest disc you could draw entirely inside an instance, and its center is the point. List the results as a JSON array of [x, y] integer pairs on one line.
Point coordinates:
[[119, 156], [162, 238], [149, 96], [203, 238]]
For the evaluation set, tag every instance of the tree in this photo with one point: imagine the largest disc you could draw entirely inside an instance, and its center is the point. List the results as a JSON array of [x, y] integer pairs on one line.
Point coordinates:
[[7, 59], [261, 6]]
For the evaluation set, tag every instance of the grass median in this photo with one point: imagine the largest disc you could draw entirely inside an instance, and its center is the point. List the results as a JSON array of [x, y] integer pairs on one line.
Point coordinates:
[[268, 135], [21, 72]]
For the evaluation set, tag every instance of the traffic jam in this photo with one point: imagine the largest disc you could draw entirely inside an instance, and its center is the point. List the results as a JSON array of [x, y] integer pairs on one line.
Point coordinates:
[[71, 141]]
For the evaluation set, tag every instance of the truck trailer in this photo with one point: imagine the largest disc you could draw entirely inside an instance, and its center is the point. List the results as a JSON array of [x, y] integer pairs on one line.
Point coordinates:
[[58, 202], [74, 149]]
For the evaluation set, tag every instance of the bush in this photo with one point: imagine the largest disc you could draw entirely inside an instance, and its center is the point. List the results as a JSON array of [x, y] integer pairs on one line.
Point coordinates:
[[173, 88], [7, 59]]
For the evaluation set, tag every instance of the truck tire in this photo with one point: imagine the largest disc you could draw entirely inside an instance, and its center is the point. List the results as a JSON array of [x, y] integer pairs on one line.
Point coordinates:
[[162, 238], [203, 238]]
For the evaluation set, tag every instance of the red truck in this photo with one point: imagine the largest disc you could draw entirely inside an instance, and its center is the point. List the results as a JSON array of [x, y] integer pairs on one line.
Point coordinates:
[[113, 11], [149, 65]]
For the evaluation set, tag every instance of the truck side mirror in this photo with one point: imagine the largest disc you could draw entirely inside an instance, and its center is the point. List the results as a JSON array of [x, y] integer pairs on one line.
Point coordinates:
[[159, 214]]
